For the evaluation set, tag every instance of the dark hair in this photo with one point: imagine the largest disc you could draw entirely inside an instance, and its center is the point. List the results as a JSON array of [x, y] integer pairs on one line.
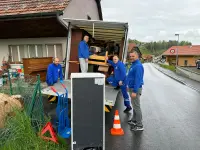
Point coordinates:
[[115, 55], [86, 35]]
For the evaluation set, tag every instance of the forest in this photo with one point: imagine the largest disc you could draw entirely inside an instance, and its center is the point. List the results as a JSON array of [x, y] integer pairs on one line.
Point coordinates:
[[157, 47]]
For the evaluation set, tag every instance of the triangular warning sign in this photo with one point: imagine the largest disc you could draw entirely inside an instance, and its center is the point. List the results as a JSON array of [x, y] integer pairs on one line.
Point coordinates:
[[48, 127]]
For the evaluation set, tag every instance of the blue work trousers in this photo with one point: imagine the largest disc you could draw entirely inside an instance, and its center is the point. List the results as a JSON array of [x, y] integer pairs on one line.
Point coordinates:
[[112, 81]]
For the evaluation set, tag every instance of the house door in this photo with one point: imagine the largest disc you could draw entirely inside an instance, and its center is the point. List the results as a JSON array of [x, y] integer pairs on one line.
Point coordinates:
[[185, 63]]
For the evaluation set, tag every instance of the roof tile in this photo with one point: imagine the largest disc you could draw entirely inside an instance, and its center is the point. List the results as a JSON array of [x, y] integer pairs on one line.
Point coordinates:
[[14, 7], [184, 50], [131, 46]]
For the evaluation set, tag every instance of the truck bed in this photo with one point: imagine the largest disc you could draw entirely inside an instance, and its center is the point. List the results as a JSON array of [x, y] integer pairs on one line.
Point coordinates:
[[110, 92]]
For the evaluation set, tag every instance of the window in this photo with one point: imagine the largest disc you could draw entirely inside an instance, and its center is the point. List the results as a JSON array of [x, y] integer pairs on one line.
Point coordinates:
[[88, 17], [54, 51], [185, 62], [18, 52], [40, 51], [31, 51]]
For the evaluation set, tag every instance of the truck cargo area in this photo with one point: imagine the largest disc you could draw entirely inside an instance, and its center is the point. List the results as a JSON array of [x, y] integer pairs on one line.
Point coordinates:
[[108, 38]]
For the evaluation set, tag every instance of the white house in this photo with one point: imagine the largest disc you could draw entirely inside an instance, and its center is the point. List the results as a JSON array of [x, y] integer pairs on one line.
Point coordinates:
[[33, 28]]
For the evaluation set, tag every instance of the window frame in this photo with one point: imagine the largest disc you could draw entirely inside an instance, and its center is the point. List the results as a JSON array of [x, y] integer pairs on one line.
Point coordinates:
[[27, 47]]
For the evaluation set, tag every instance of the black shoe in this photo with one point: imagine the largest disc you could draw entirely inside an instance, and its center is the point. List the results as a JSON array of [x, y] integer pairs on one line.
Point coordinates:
[[131, 122], [127, 109], [117, 88], [137, 128]]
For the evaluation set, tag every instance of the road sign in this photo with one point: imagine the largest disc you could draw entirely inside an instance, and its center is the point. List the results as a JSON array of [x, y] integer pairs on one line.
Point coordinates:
[[172, 51]]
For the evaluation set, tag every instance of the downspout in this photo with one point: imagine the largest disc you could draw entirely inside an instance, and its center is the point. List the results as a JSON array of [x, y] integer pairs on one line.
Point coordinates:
[[67, 53], [68, 49]]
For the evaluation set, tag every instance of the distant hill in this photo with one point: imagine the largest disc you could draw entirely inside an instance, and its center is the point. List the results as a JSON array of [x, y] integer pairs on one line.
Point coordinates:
[[156, 47]]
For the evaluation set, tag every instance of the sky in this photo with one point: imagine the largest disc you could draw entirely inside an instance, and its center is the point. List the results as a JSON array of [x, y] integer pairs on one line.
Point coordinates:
[[153, 20]]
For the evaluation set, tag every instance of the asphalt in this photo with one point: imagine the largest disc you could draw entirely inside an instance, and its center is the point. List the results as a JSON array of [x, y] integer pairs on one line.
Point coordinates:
[[170, 116], [184, 80]]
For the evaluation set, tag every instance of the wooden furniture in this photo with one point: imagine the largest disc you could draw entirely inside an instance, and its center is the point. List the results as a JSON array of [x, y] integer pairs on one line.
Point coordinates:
[[34, 66], [96, 60]]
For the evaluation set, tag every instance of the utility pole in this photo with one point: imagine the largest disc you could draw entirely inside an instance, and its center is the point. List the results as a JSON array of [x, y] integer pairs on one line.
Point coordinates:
[[177, 50]]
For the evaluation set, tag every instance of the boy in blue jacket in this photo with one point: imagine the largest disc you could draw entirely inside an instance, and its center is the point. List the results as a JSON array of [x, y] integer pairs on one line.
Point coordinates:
[[54, 72], [119, 79], [135, 83]]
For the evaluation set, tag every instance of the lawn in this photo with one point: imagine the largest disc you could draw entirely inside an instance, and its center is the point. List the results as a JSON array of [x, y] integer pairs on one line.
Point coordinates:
[[169, 67]]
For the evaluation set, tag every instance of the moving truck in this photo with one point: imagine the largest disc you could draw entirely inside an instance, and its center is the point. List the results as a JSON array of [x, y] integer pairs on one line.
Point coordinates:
[[105, 36]]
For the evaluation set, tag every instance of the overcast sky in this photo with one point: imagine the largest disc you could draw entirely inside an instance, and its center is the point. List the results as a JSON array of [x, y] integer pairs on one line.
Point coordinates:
[[156, 19]]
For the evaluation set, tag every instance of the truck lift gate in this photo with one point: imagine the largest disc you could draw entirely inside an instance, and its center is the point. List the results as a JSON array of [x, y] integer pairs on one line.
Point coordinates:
[[109, 101]]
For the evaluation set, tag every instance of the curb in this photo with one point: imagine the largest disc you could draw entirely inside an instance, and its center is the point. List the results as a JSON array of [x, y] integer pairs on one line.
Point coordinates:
[[178, 80]]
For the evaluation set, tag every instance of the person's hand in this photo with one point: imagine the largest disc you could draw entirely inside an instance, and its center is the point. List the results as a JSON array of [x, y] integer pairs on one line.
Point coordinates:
[[133, 95], [120, 83], [107, 58], [61, 81], [86, 60]]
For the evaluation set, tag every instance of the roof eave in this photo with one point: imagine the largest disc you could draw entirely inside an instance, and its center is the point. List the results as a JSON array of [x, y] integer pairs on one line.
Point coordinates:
[[181, 55], [31, 15]]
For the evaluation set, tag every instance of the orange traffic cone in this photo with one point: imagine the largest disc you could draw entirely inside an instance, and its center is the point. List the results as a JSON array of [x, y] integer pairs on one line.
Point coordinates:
[[117, 130]]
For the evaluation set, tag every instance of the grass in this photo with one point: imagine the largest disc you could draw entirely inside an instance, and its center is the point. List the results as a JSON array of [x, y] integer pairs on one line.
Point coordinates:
[[169, 67], [19, 134]]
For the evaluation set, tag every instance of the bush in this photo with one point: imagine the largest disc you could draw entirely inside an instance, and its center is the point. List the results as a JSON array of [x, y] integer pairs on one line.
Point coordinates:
[[169, 67]]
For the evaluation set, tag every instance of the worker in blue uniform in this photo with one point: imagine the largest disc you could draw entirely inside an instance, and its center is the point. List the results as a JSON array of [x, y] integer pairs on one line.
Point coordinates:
[[135, 83], [83, 54], [54, 72], [119, 79]]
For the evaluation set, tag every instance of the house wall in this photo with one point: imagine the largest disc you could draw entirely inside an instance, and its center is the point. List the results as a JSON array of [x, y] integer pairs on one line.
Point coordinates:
[[4, 43], [181, 60], [79, 9], [190, 61]]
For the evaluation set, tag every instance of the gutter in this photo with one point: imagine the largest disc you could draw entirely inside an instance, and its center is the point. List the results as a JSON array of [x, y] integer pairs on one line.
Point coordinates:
[[61, 21], [31, 15]]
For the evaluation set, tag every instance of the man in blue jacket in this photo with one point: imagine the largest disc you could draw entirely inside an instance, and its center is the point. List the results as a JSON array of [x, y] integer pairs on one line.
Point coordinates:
[[83, 54], [119, 79], [54, 72], [135, 83]]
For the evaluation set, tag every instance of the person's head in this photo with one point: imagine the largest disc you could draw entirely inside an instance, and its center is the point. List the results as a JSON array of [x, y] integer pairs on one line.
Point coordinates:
[[56, 61], [133, 56], [86, 38], [115, 59]]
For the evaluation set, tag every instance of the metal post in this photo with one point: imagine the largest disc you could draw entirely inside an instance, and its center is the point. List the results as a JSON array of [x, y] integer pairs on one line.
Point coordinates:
[[68, 47], [10, 83], [177, 50], [93, 31]]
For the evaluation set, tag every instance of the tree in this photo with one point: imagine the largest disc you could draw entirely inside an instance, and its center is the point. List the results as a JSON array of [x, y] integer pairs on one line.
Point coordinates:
[[157, 47]]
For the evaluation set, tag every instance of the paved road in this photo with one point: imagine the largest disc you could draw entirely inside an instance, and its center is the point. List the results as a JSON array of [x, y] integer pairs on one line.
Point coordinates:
[[171, 117]]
